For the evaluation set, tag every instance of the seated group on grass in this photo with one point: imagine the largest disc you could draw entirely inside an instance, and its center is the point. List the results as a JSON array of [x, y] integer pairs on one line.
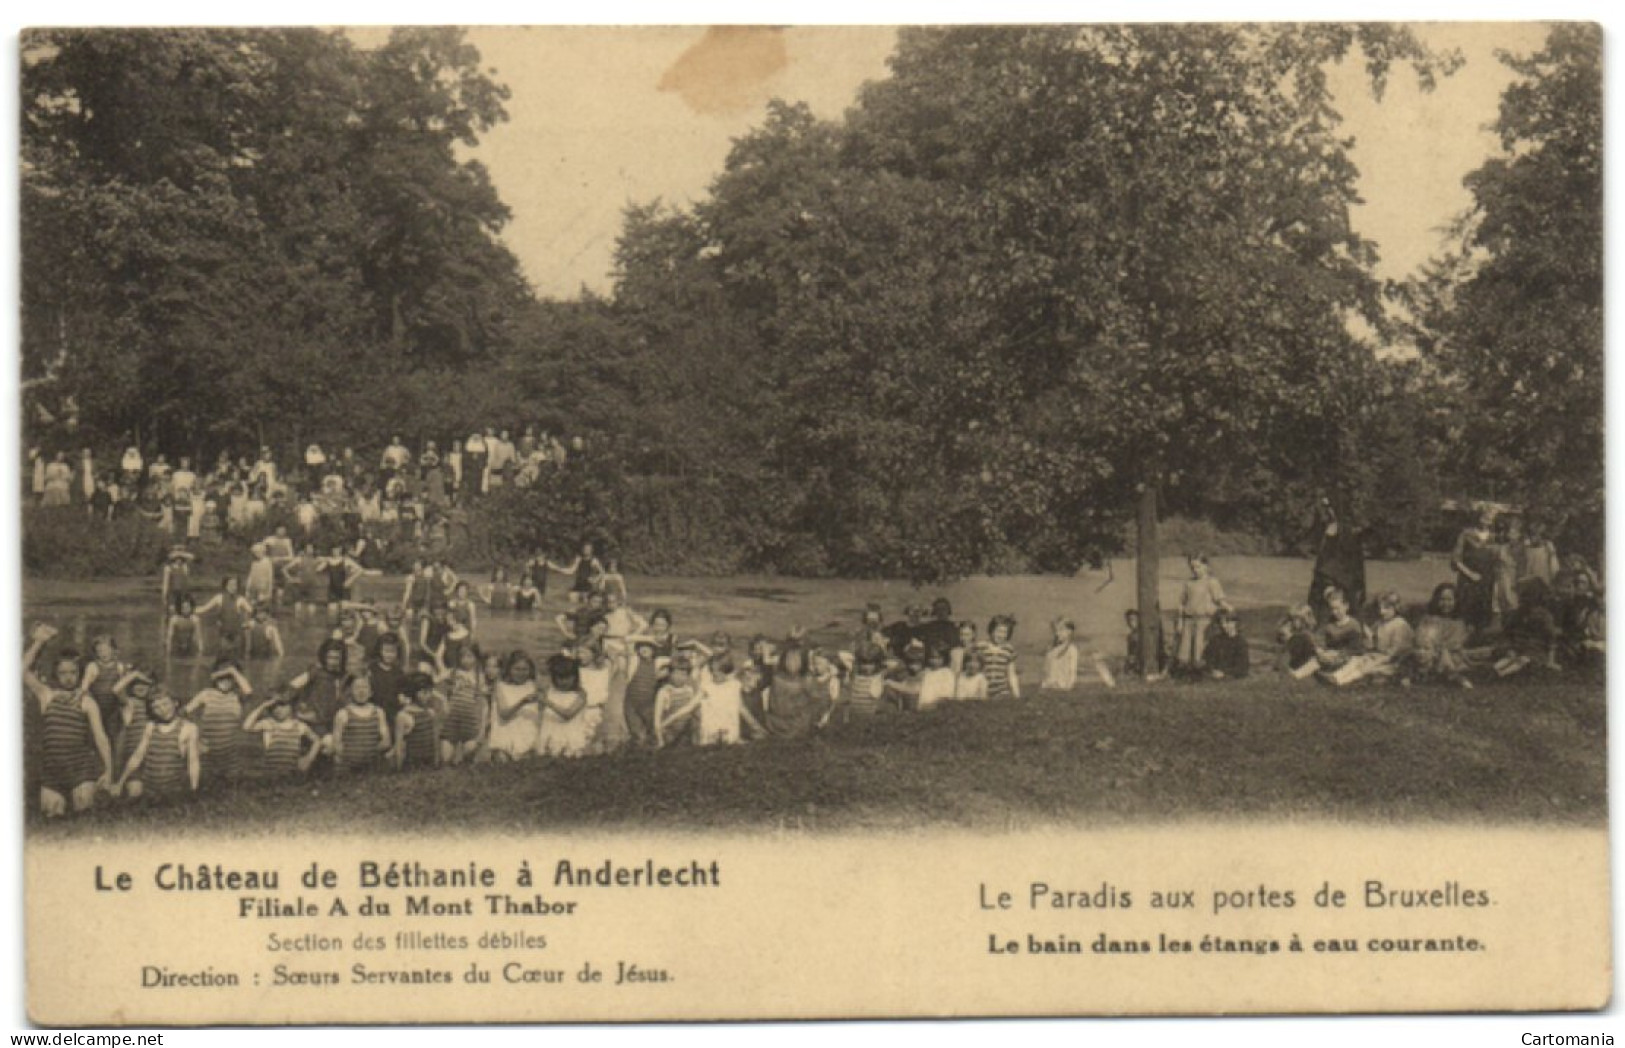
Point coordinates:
[[411, 687], [1547, 627]]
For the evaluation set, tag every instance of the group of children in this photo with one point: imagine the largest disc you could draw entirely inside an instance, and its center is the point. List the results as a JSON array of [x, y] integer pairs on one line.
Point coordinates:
[[408, 684], [1551, 617]]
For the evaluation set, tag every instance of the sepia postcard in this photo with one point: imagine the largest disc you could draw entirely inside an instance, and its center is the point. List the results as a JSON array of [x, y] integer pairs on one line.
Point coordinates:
[[542, 525]]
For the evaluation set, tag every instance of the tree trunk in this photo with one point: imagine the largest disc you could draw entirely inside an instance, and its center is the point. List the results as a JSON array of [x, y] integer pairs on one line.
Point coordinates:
[[1147, 561]]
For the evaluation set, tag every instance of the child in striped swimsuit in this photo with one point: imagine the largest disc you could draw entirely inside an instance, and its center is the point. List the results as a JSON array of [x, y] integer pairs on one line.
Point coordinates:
[[165, 763], [360, 731], [134, 691], [417, 726], [218, 713], [464, 726], [287, 745], [77, 757], [999, 659], [642, 682]]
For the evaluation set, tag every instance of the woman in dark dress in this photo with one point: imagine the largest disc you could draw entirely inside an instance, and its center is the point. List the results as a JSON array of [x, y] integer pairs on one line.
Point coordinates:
[[1474, 561], [1339, 561]]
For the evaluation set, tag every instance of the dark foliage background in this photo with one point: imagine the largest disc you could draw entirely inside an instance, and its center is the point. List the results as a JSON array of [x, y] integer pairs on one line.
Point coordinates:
[[1029, 271]]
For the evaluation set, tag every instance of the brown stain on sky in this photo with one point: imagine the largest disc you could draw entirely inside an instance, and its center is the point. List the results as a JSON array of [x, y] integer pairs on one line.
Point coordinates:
[[723, 72]]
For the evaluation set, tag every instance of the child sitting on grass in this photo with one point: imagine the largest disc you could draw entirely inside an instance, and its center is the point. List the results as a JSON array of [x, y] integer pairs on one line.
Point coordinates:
[[1392, 641], [1441, 642], [1227, 653], [1297, 638], [1531, 633]]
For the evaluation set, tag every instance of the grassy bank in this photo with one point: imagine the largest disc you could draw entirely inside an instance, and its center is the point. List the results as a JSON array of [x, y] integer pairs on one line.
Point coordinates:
[[1521, 751]]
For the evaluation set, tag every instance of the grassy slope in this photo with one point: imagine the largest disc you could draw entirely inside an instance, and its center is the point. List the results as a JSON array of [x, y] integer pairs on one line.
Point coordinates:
[[1532, 750]]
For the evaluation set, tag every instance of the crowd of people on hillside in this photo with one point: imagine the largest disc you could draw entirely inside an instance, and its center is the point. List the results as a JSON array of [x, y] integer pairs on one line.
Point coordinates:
[[416, 491]]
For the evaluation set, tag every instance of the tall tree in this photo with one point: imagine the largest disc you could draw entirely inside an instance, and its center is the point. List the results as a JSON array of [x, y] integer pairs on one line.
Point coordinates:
[[227, 232], [1512, 315]]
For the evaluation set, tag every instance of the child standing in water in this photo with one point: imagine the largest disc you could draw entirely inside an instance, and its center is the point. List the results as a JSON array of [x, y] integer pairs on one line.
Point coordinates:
[[165, 762], [232, 613], [184, 631], [77, 756]]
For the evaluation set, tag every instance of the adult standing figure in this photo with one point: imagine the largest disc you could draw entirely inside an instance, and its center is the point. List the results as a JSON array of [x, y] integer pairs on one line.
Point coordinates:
[[474, 457], [583, 570], [1475, 559], [58, 481], [87, 474], [1339, 560]]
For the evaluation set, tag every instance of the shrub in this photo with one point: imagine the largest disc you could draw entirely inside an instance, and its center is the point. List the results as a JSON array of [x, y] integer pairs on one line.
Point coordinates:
[[66, 542]]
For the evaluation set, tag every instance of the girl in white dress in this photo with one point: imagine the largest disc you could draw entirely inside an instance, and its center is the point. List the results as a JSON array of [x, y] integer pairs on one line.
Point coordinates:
[[567, 729], [516, 714], [722, 704]]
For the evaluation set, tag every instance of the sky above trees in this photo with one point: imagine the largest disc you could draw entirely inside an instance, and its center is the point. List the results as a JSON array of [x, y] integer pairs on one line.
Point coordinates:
[[592, 129]]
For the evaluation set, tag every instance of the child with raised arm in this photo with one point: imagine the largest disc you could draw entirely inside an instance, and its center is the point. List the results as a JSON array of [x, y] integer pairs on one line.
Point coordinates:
[[287, 745], [643, 679], [77, 756], [218, 712], [165, 762]]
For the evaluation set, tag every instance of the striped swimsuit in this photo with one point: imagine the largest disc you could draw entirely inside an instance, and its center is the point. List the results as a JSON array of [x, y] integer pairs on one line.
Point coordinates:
[[997, 663], [362, 737], [422, 744], [130, 736], [219, 725], [465, 709], [163, 769], [107, 675], [70, 753], [281, 742]]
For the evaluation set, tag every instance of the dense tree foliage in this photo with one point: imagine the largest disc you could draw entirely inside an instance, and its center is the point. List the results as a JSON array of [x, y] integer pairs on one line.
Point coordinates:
[[1512, 316], [235, 234], [1035, 271], [1033, 278]]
